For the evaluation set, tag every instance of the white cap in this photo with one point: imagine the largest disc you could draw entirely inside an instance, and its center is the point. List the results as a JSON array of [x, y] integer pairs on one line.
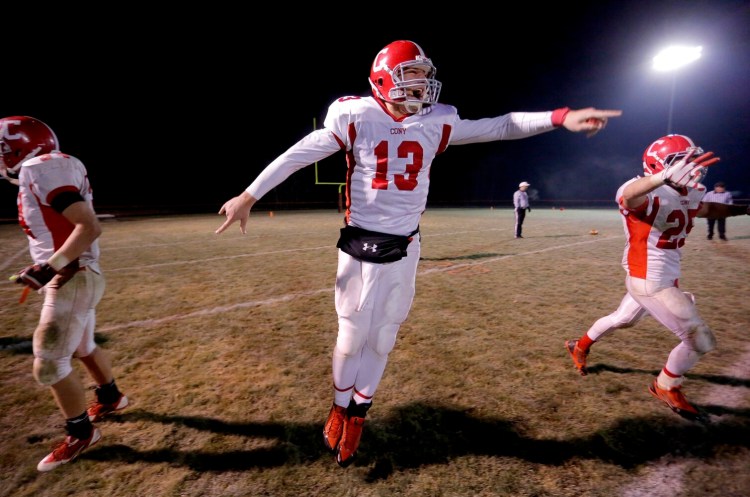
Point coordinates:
[[523, 183]]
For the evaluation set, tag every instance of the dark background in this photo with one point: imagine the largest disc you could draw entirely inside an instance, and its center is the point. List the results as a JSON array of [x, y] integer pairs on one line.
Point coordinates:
[[179, 110]]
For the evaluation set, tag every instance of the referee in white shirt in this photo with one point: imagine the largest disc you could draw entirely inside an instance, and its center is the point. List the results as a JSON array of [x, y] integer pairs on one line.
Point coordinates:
[[721, 196], [521, 205]]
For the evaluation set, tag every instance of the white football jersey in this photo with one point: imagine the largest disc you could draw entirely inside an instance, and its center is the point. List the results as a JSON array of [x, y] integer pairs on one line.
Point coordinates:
[[389, 159], [656, 232], [41, 179]]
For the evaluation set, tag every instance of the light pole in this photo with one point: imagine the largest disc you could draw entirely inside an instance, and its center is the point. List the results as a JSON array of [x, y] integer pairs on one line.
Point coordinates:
[[671, 59]]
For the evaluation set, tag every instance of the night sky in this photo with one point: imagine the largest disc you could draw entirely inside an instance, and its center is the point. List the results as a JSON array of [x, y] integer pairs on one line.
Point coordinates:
[[184, 110]]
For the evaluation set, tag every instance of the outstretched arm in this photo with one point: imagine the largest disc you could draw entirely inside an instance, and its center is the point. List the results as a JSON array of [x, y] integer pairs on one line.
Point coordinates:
[[517, 125], [714, 210]]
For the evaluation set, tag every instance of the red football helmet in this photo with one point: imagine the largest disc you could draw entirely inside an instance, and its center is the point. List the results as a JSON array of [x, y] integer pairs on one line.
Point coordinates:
[[666, 151], [21, 138], [389, 83]]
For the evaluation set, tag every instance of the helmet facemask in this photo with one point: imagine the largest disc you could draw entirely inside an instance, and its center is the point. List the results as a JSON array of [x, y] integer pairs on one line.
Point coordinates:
[[394, 80], [673, 159], [667, 151], [414, 92], [8, 157], [6, 171]]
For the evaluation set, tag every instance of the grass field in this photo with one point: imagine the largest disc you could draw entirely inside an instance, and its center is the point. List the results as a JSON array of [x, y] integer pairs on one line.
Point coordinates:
[[223, 344]]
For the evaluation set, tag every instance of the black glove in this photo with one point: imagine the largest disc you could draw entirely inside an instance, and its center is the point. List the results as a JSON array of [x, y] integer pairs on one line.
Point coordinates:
[[528, 209], [35, 276]]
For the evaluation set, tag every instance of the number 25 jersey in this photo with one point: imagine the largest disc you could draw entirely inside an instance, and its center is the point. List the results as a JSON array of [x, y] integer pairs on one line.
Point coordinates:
[[656, 231]]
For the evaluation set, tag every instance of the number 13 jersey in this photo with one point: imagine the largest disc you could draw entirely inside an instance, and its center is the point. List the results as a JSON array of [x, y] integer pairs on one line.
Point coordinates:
[[389, 159]]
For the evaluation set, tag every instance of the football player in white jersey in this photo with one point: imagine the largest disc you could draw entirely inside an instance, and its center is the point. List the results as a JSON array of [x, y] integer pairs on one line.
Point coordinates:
[[55, 211], [657, 215], [390, 140]]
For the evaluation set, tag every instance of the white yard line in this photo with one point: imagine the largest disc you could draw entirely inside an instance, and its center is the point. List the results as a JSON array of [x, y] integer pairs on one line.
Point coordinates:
[[213, 310], [453, 267], [13, 258], [292, 296], [226, 257]]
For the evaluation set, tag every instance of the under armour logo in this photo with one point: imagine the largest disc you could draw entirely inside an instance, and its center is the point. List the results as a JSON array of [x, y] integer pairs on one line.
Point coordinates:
[[367, 246]]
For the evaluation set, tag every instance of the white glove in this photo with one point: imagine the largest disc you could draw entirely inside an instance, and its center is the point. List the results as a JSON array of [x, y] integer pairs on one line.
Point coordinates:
[[687, 172]]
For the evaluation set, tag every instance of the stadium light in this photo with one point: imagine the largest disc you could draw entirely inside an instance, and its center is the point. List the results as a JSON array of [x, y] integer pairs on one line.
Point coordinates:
[[670, 60]]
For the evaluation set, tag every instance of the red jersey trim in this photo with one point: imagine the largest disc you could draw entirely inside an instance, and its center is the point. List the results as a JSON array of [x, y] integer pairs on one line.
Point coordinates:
[[447, 128]]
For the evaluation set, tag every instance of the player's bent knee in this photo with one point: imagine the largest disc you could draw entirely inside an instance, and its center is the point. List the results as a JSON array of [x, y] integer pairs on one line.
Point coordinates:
[[85, 349], [50, 371], [704, 340], [690, 296]]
